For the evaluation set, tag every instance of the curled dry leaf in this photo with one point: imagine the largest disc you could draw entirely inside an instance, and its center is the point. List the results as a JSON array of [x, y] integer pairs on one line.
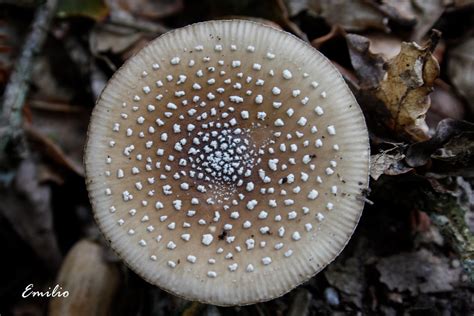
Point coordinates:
[[447, 130], [405, 87], [335, 32], [389, 162], [115, 39], [396, 91], [461, 69], [456, 157], [387, 45], [368, 66]]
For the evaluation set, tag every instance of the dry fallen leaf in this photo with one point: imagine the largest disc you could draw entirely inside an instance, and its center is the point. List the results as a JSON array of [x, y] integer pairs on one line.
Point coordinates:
[[447, 130], [421, 14], [26, 204], [152, 9], [404, 90], [115, 39], [368, 66], [419, 271], [461, 69], [348, 277], [356, 15], [389, 163], [60, 130], [387, 45], [444, 104]]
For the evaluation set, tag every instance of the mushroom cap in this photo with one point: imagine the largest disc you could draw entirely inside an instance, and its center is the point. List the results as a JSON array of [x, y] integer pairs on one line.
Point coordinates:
[[225, 162]]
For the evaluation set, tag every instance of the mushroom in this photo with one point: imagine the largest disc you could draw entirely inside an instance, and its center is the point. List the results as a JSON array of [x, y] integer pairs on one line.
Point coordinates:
[[226, 161]]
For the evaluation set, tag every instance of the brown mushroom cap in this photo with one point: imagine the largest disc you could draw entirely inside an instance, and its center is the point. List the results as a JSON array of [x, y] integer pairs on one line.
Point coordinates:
[[225, 161]]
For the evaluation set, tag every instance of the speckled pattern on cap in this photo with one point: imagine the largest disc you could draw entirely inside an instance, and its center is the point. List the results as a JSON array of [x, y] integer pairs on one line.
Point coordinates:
[[226, 162]]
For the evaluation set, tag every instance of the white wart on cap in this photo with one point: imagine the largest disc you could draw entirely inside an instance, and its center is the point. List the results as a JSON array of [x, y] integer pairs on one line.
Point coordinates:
[[225, 161]]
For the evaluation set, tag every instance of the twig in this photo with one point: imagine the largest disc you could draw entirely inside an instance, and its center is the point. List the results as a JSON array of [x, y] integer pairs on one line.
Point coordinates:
[[139, 25], [17, 88]]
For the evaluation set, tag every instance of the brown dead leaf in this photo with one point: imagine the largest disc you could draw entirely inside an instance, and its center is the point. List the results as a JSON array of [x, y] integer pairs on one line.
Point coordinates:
[[269, 10], [461, 69], [420, 14], [26, 204], [152, 9], [60, 130], [356, 15], [416, 272], [448, 130], [115, 39], [348, 277], [444, 104], [368, 66], [300, 305], [389, 162], [462, 3], [334, 32], [404, 90], [387, 45], [456, 157], [295, 7], [51, 80]]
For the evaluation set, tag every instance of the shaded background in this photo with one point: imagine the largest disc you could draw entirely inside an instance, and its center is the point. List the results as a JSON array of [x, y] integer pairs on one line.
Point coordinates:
[[413, 250]]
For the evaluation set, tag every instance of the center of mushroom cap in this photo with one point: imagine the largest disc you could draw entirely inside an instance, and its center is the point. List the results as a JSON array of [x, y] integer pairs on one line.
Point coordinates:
[[222, 156], [226, 162]]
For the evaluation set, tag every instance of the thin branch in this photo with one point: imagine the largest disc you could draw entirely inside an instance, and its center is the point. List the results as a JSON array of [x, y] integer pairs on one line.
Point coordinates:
[[17, 88], [139, 25]]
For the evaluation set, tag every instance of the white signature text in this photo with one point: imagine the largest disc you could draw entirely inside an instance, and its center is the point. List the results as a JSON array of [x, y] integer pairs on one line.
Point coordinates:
[[56, 291]]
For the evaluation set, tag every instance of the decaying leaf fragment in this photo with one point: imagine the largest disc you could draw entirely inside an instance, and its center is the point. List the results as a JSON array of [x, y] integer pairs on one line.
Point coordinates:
[[448, 133], [389, 162], [461, 69], [405, 87], [368, 66], [356, 15], [26, 204], [416, 272]]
